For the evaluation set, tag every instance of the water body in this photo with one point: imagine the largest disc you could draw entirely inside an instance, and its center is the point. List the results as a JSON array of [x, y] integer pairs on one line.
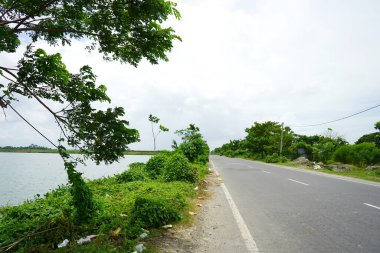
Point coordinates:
[[23, 175]]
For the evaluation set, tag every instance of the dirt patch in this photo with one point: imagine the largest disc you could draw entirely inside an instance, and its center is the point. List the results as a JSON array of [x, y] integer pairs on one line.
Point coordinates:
[[214, 228]]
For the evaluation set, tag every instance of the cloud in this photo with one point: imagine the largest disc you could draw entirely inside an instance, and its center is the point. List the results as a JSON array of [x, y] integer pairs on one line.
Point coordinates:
[[297, 61]]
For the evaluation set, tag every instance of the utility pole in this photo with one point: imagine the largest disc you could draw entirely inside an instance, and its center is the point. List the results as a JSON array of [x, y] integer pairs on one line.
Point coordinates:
[[282, 137]]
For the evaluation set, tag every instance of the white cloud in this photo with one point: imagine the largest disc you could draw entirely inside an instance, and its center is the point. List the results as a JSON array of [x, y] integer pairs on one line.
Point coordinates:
[[301, 62]]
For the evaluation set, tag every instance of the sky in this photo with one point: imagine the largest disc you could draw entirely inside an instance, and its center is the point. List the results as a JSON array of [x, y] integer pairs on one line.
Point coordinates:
[[299, 62]]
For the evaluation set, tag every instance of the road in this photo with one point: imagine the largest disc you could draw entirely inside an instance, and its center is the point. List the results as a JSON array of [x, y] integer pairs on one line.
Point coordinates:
[[291, 210]]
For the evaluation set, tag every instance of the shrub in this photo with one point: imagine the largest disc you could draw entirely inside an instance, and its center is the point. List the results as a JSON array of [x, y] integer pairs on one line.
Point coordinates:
[[365, 154], [178, 168], [202, 170], [275, 158], [155, 165], [362, 154], [343, 154], [195, 150], [153, 212], [135, 172]]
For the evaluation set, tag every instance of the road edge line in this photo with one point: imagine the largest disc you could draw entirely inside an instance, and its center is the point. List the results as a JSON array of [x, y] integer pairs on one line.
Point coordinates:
[[244, 231]]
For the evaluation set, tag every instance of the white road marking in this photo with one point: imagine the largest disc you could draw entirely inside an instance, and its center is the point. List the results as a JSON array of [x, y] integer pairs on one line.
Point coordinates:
[[247, 237], [371, 205], [213, 166], [267, 172], [297, 181], [344, 178]]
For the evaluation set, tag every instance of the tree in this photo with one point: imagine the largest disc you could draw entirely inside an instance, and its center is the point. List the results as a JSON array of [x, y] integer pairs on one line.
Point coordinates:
[[123, 30], [372, 137], [193, 146], [161, 128], [377, 125], [264, 138]]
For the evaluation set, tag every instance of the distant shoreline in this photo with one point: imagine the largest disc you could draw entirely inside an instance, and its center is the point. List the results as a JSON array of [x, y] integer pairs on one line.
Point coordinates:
[[54, 151]]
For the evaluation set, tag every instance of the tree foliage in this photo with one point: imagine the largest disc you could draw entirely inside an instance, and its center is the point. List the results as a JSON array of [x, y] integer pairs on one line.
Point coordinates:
[[372, 137], [154, 120], [123, 30], [193, 146], [265, 138]]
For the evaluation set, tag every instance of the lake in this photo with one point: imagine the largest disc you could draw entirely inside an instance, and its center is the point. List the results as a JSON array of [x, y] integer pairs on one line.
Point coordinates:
[[23, 175]]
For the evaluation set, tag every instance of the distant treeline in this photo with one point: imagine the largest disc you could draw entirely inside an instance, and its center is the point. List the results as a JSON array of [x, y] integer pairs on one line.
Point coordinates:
[[31, 146], [272, 142]]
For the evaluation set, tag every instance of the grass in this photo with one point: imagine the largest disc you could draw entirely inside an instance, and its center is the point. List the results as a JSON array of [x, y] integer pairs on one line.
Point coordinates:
[[39, 225]]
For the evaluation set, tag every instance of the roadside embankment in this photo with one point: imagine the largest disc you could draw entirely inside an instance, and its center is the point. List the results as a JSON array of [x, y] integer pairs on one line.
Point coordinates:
[[131, 207]]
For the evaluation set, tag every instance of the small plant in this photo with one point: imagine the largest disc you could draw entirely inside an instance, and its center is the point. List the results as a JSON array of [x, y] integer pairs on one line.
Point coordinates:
[[275, 158], [178, 168], [155, 165], [153, 212], [136, 172]]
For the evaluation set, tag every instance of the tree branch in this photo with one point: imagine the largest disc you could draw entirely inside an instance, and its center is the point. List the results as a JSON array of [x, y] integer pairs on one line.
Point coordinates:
[[60, 30], [41, 8]]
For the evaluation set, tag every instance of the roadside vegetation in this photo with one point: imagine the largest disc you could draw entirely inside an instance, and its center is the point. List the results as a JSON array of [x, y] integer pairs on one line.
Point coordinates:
[[127, 206], [328, 153]]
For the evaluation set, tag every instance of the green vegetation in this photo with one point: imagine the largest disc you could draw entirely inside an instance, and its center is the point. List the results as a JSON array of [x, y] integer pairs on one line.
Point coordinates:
[[193, 146], [154, 120], [356, 172], [123, 30], [263, 142], [126, 205]]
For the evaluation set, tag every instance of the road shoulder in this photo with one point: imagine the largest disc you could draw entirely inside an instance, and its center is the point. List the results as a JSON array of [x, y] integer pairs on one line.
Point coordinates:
[[214, 229]]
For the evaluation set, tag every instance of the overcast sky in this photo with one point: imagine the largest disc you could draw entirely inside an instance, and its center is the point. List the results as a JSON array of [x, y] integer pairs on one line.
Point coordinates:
[[294, 61]]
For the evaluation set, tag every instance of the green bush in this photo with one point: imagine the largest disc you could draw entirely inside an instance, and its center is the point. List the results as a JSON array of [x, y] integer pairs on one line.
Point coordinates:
[[343, 154], [201, 168], [136, 172], [195, 150], [153, 212], [178, 168], [361, 155], [275, 158], [155, 165]]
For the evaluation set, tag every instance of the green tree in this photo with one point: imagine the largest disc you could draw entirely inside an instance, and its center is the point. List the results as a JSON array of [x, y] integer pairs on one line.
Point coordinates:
[[264, 138], [123, 30], [193, 146], [377, 125], [372, 137], [154, 120]]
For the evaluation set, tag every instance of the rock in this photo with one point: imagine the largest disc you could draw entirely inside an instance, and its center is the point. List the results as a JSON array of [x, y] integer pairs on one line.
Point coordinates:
[[64, 243], [374, 167], [200, 205], [320, 164], [302, 161], [167, 226], [317, 167], [192, 213], [341, 167], [196, 188], [143, 235]]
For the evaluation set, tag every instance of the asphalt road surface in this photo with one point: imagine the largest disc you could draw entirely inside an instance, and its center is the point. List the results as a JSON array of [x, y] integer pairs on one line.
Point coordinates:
[[293, 210]]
